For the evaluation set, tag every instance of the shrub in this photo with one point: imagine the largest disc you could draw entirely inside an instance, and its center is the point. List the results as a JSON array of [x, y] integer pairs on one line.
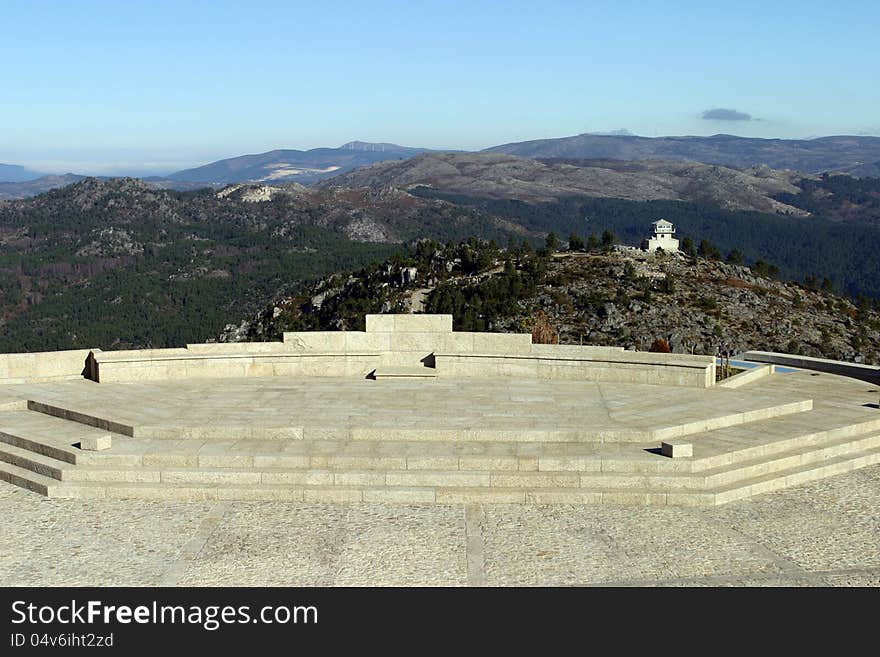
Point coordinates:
[[660, 346], [542, 330]]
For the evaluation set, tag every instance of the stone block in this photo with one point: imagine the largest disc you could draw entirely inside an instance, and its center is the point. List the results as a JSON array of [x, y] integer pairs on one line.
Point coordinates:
[[359, 478], [487, 496], [399, 495], [357, 342], [564, 497], [96, 443], [332, 495], [508, 463], [256, 494], [409, 323], [192, 476], [417, 478], [676, 449], [690, 499], [432, 463], [502, 343], [379, 323], [421, 342], [638, 499], [422, 323], [301, 478], [316, 341], [537, 480]]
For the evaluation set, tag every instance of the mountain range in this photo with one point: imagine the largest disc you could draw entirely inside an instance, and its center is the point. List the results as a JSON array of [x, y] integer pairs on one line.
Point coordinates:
[[303, 167], [853, 155], [500, 176]]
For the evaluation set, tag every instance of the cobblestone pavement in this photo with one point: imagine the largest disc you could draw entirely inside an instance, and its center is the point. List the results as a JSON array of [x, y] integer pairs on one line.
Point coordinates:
[[825, 533]]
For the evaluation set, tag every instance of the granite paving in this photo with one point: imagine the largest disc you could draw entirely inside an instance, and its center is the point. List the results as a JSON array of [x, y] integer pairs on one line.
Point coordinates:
[[825, 533]]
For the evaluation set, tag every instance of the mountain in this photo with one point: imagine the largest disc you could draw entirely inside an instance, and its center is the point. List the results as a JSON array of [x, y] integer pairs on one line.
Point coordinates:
[[600, 296], [116, 263], [500, 176], [292, 165], [17, 190], [858, 156], [16, 173]]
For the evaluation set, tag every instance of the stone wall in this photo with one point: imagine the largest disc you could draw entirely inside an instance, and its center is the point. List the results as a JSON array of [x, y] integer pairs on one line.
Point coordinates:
[[392, 342], [43, 366]]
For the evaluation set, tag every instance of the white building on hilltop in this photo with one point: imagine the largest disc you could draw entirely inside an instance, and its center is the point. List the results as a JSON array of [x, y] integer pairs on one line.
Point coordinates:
[[663, 238]]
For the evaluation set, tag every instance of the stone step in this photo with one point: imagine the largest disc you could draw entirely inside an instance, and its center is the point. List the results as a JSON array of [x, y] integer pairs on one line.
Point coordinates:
[[801, 456], [449, 476], [27, 479], [799, 439], [397, 432], [80, 417], [438, 493], [797, 475], [47, 435], [33, 461]]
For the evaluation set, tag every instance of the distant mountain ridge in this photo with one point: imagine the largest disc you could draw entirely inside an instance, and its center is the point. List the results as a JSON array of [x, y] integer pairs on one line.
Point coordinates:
[[852, 155], [501, 176], [27, 188], [287, 165], [855, 155], [16, 173]]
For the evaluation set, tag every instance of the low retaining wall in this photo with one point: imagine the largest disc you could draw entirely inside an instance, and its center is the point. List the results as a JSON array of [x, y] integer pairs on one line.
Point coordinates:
[[44, 366], [114, 369], [408, 341], [869, 373], [623, 367]]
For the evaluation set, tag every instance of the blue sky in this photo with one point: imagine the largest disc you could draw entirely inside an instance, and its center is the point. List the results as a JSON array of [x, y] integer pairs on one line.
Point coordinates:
[[98, 87]]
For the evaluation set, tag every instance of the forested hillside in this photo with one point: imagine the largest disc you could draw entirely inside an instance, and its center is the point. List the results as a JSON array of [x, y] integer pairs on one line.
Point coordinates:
[[117, 264]]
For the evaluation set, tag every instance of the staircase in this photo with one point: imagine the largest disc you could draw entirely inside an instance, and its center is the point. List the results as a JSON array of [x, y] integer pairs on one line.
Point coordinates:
[[39, 451]]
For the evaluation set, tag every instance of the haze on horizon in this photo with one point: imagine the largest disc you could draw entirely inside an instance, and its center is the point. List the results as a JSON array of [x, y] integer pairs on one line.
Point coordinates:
[[115, 88]]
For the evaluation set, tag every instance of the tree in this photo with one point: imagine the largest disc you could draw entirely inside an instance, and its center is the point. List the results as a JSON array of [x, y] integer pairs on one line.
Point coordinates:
[[608, 240], [575, 243], [827, 285], [667, 285], [687, 247], [761, 268], [552, 242], [735, 257], [592, 243], [708, 250]]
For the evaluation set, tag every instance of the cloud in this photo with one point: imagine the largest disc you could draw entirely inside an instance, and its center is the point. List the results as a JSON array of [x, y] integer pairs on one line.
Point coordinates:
[[720, 114]]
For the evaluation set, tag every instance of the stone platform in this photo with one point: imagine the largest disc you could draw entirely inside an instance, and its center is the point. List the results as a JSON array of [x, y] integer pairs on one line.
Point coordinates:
[[374, 428]]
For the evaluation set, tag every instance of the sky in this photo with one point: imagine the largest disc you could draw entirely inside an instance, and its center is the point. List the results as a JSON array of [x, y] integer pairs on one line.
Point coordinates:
[[110, 87]]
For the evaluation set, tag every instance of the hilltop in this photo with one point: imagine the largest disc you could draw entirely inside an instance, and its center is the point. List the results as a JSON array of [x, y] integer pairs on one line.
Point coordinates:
[[595, 295]]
